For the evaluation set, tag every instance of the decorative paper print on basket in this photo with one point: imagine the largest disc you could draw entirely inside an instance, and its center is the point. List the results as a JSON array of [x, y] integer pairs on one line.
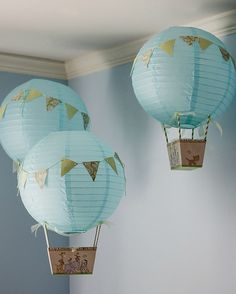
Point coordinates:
[[184, 77], [35, 109], [80, 185], [72, 261]]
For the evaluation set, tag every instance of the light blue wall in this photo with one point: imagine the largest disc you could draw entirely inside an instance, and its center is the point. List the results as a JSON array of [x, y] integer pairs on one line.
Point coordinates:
[[24, 262], [174, 232]]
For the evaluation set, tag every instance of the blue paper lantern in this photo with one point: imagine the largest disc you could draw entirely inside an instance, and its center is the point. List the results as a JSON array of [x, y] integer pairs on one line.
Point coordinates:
[[34, 109], [184, 72], [71, 181]]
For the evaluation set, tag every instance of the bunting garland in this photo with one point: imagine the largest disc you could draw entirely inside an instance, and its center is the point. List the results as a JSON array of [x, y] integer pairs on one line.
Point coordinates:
[[67, 165], [168, 47], [51, 103]]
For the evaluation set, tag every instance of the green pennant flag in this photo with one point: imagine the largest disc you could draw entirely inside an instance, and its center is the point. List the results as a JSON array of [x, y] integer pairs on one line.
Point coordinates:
[[33, 94], [118, 158], [204, 43], [51, 103], [71, 110], [112, 163], [224, 53], [67, 165], [86, 119], [92, 168], [2, 110], [168, 46]]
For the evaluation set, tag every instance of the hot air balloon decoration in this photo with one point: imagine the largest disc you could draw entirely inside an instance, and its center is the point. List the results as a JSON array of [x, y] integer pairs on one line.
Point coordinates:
[[184, 77], [71, 182], [35, 109]]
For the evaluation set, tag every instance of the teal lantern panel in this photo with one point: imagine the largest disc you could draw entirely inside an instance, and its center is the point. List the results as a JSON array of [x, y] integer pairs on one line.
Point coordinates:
[[184, 72], [71, 181], [34, 109]]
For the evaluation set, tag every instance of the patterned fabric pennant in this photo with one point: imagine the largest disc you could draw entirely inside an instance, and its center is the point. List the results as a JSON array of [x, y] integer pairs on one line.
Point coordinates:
[[33, 94], [168, 46], [2, 110], [40, 177], [189, 39], [224, 53], [147, 57], [92, 168], [67, 165], [51, 103], [112, 163], [71, 110], [18, 96], [204, 43], [86, 119], [118, 158]]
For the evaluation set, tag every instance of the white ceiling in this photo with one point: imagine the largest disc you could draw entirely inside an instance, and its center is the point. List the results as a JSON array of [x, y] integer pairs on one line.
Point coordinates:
[[63, 29]]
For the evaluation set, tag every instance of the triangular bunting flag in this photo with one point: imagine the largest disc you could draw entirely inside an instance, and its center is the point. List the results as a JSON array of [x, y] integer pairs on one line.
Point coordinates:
[[168, 46], [112, 163], [2, 110], [18, 96], [224, 53], [189, 39], [71, 110], [204, 43], [86, 119], [22, 178], [33, 94], [92, 168], [118, 158], [147, 56], [40, 177], [67, 165], [51, 103]]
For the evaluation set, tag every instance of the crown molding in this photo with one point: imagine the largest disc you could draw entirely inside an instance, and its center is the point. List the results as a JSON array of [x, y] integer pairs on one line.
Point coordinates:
[[220, 25], [32, 66]]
